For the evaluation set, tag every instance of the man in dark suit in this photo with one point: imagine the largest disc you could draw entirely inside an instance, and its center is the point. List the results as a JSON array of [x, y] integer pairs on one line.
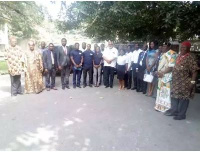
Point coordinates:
[[50, 66], [64, 63], [141, 67]]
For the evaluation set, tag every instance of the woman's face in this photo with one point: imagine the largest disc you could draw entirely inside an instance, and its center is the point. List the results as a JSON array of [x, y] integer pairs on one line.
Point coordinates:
[[184, 50], [152, 45], [98, 49]]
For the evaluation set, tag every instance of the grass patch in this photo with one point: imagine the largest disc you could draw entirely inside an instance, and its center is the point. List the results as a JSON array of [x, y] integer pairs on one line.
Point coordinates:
[[3, 67]]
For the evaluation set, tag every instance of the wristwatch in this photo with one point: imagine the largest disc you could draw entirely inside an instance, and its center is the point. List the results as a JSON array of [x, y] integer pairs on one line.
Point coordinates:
[[193, 82]]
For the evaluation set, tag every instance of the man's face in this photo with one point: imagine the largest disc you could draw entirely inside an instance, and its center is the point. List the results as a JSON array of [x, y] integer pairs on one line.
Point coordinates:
[[102, 46], [88, 47], [77, 46], [184, 49], [145, 47], [160, 48], [64, 42], [83, 45], [51, 47], [164, 48], [13, 42], [31, 46], [43, 45], [136, 46], [110, 44]]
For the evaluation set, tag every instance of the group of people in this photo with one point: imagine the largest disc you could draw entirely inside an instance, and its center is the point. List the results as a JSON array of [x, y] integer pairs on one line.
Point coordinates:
[[154, 69]]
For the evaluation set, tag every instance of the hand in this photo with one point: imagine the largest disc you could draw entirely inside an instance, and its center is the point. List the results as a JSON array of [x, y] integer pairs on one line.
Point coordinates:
[[109, 62], [136, 69], [148, 69], [60, 67], [191, 88], [80, 65], [160, 74], [45, 70]]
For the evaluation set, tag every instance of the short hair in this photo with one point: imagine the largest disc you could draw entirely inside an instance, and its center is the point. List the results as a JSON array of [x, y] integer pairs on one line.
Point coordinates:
[[12, 37], [167, 43], [63, 39], [51, 44], [31, 41], [76, 44]]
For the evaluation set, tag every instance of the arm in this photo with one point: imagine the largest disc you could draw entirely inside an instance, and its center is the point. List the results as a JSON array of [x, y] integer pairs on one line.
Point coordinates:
[[71, 57], [58, 59], [81, 61], [44, 60]]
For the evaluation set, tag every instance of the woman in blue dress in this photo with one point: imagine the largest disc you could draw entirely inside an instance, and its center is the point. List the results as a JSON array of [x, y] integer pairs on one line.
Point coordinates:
[[151, 65]]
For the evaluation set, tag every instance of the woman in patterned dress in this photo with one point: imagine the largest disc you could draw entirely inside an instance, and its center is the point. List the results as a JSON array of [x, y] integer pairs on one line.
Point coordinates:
[[33, 70], [164, 73], [183, 82]]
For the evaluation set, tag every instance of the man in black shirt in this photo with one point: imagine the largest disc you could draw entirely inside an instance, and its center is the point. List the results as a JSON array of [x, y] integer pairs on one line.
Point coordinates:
[[87, 65]]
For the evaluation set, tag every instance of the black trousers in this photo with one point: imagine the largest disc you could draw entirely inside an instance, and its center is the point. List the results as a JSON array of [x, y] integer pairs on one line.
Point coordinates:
[[179, 106], [126, 80], [15, 84], [90, 72], [108, 76], [129, 80], [50, 78], [134, 75], [141, 85], [65, 72]]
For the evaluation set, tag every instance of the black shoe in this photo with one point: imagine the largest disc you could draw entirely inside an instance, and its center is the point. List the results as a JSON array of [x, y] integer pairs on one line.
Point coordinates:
[[63, 88], [106, 86], [84, 86], [74, 87], [133, 88], [144, 92], [67, 87], [78, 86], [179, 117], [111, 86], [129, 88], [170, 113], [90, 85], [14, 95], [20, 93]]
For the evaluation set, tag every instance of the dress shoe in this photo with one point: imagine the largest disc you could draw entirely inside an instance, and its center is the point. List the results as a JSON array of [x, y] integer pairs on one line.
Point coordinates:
[[179, 117], [106, 86], [111, 86], [67, 87], [54, 88], [78, 86], [63, 88], [74, 87], [14, 95], [48, 89], [84, 86], [20, 93], [90, 85], [133, 88], [170, 113], [128, 88]]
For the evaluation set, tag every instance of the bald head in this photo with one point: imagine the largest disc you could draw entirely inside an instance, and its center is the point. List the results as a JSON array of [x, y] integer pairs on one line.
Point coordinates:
[[43, 45], [31, 44], [110, 44], [13, 41]]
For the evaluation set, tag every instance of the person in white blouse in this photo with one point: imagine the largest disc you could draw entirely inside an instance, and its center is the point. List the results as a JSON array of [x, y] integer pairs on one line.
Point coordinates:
[[135, 56], [110, 58], [121, 68]]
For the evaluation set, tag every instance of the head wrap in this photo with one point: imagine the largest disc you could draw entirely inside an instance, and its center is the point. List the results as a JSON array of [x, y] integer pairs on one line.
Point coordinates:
[[186, 43]]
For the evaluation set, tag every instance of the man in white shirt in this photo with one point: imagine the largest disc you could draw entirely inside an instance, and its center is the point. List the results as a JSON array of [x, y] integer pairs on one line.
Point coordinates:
[[135, 56], [110, 59], [129, 67]]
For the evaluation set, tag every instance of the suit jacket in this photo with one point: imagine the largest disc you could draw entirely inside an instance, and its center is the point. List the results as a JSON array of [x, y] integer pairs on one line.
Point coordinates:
[[63, 59], [47, 61]]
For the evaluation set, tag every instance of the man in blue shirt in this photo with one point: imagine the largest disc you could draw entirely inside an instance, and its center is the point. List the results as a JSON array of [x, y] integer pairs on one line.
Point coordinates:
[[76, 57], [87, 65]]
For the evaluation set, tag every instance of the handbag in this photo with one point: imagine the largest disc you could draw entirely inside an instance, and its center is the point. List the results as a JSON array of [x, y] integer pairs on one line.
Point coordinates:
[[148, 78]]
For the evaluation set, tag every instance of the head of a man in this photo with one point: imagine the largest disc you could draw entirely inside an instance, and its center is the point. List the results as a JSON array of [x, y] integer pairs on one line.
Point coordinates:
[[145, 47], [43, 45], [185, 47], [76, 46], [166, 46], [110, 44], [88, 46], [84, 45], [97, 49], [136, 46], [102, 47], [13, 41], [64, 41], [31, 44], [51, 46]]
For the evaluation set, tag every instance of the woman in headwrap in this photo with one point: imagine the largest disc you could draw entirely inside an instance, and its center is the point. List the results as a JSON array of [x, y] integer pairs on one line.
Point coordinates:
[[183, 82]]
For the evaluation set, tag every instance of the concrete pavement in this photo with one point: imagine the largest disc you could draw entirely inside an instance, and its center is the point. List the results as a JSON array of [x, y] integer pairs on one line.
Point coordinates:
[[92, 119]]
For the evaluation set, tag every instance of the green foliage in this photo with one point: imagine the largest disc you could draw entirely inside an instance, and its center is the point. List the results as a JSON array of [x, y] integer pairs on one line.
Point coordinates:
[[21, 17], [133, 20]]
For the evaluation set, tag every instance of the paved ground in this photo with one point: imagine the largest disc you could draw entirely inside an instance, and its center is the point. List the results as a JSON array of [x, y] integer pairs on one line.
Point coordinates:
[[92, 119]]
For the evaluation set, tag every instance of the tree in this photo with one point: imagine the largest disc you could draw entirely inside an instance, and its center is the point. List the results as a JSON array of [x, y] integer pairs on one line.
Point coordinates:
[[21, 17], [128, 20]]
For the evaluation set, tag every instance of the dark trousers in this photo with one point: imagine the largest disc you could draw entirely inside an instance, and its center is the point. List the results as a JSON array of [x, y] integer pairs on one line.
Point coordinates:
[[141, 85], [76, 77], [50, 78], [129, 80], [108, 76], [179, 106], [126, 80], [15, 84], [65, 72], [89, 71], [134, 75]]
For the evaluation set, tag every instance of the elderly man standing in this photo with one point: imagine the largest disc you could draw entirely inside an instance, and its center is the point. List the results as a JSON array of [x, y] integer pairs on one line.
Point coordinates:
[[64, 63], [110, 58], [13, 57], [43, 47]]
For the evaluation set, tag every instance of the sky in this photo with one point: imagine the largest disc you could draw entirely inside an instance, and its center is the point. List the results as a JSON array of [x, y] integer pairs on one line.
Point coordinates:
[[53, 8]]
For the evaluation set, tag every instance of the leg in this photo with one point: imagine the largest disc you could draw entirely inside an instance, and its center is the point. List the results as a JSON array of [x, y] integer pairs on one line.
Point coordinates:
[[13, 90], [182, 108], [47, 79], [111, 76], [18, 82], [63, 77], [90, 76], [139, 85], [99, 75], [95, 76], [79, 78], [129, 79], [74, 77], [105, 76], [173, 111], [53, 77], [123, 84], [84, 76], [144, 87], [126, 80], [67, 76]]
